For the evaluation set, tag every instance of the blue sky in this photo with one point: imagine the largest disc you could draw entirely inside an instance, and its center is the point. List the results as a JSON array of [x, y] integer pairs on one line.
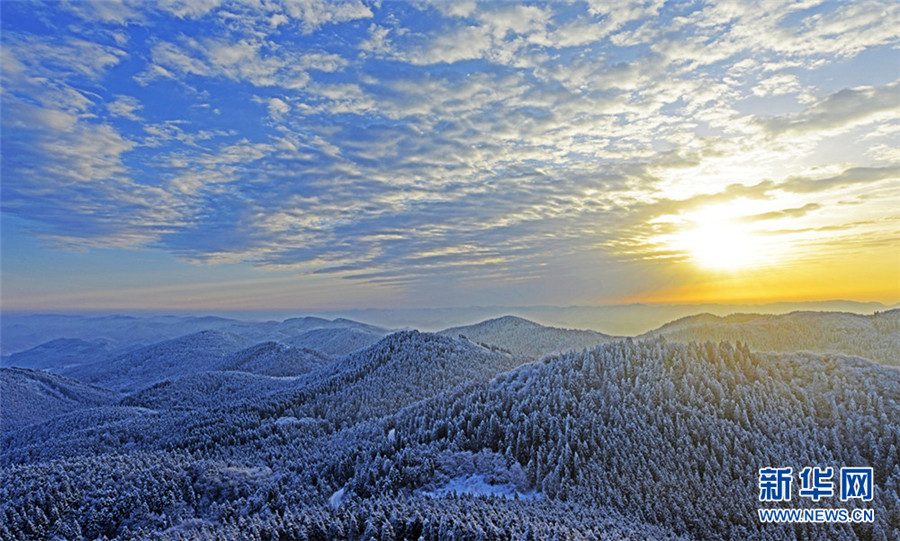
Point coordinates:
[[325, 155]]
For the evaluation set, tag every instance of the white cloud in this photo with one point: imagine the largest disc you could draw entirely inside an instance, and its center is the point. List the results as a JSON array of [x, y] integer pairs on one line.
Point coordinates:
[[377, 41], [111, 11], [278, 107], [256, 62], [65, 58], [125, 107], [190, 9], [841, 111], [316, 13], [465, 43], [562, 144], [776, 85]]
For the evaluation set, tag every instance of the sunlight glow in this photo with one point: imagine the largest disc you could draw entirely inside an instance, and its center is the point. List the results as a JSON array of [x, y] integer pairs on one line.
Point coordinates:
[[721, 238], [723, 246]]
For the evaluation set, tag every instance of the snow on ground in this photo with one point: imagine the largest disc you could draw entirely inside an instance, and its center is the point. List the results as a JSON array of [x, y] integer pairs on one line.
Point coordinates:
[[336, 499], [476, 485]]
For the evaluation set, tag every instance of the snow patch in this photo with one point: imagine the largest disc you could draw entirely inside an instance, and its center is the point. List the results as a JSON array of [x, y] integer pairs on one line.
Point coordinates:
[[287, 421], [336, 499], [477, 485]]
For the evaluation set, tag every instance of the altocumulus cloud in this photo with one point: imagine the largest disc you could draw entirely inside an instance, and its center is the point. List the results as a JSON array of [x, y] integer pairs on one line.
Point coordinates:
[[398, 142]]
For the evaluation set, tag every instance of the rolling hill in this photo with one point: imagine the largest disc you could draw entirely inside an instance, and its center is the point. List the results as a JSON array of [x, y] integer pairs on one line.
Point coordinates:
[[203, 351], [33, 396], [60, 354], [523, 337], [205, 390], [337, 341], [274, 359], [429, 436], [875, 337]]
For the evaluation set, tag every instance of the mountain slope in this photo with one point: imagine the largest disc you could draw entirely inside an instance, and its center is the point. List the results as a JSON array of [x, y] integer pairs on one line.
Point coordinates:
[[523, 337], [337, 341], [662, 439], [205, 390], [189, 354], [274, 359], [673, 432], [32, 396], [60, 354], [875, 337], [401, 369]]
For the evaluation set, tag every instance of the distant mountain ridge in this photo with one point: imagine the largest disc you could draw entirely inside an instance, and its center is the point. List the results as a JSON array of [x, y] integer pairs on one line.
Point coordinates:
[[337, 341], [60, 354], [90, 359], [520, 336], [198, 352], [23, 332], [875, 337]]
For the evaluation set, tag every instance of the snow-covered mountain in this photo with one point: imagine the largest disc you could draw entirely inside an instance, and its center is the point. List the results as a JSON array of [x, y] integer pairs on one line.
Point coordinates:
[[33, 396], [399, 370], [60, 354], [21, 332], [431, 436], [875, 337], [291, 331], [274, 359], [199, 352], [337, 341], [523, 337], [206, 390]]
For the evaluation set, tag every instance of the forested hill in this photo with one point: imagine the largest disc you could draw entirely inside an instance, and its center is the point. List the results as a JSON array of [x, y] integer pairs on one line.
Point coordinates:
[[673, 432], [875, 337], [337, 341], [523, 337], [60, 354], [400, 370], [274, 359], [205, 350], [33, 396], [630, 440]]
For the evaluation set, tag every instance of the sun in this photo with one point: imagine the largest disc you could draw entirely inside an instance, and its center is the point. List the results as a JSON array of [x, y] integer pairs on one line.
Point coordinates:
[[723, 246], [722, 239]]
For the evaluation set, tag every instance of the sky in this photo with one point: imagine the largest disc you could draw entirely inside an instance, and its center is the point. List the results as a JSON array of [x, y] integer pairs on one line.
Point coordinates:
[[302, 154]]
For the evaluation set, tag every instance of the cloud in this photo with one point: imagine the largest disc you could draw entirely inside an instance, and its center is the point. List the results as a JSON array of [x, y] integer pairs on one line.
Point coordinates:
[[377, 41], [496, 140], [786, 213], [258, 62], [125, 107], [278, 107], [840, 111], [110, 11], [316, 13], [28, 59], [849, 177], [465, 43], [190, 9], [776, 85]]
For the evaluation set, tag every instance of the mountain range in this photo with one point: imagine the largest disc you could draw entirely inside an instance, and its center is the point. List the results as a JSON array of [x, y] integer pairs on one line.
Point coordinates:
[[505, 429]]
